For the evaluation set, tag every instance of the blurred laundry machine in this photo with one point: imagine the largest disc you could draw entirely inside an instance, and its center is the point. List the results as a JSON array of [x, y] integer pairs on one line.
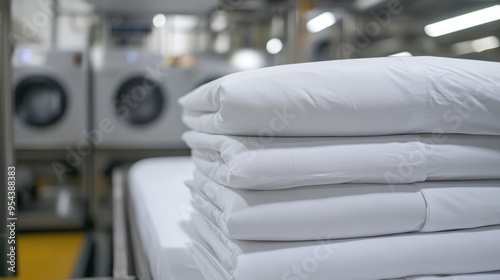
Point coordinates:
[[135, 100], [50, 98]]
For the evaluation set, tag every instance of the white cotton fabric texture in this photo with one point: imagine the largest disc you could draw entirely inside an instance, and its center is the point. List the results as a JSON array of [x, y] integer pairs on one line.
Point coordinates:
[[162, 204], [396, 256], [346, 210], [476, 276], [355, 97], [278, 163]]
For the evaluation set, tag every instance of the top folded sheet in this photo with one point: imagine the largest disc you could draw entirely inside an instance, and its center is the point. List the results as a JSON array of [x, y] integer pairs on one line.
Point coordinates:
[[376, 96]]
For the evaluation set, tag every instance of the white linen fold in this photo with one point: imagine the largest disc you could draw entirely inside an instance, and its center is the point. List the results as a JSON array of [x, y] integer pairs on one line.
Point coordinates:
[[346, 210], [355, 97], [278, 163], [385, 257]]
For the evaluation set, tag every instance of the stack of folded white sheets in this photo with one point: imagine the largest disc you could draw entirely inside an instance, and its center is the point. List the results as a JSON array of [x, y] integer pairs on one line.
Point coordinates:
[[353, 169]]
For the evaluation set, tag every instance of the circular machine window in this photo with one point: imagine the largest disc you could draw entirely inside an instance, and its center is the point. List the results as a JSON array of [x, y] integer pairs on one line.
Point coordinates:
[[40, 101], [139, 101]]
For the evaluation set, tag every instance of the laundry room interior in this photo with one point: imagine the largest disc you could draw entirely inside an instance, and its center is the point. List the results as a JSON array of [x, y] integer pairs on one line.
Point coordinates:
[[92, 89]]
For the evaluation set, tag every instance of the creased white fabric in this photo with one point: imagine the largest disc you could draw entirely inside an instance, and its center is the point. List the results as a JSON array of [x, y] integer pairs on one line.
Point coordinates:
[[277, 163], [495, 275], [375, 96], [346, 210], [453, 252]]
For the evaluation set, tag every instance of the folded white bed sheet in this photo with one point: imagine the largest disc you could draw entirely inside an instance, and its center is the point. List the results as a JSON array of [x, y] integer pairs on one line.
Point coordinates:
[[162, 204], [278, 163], [376, 96], [396, 256], [346, 210]]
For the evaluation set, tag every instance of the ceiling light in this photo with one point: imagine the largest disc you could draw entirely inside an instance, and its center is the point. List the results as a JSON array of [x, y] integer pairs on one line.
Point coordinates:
[[483, 44], [321, 22], [159, 20], [247, 59], [274, 46], [463, 21], [183, 22], [478, 45], [367, 4], [462, 48]]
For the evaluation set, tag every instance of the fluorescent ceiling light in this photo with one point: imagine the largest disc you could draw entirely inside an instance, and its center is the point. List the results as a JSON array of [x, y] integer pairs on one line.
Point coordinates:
[[462, 48], [321, 22], [159, 20], [401, 54], [183, 22], [463, 21], [274, 46], [478, 45], [487, 43], [367, 4]]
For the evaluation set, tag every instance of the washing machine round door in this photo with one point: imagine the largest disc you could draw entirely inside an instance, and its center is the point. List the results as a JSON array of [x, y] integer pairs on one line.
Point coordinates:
[[40, 101], [139, 101]]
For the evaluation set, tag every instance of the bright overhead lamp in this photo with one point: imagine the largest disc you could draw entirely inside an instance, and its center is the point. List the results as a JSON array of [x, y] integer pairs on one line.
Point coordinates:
[[462, 48], [463, 21], [246, 59], [274, 46], [478, 45], [159, 20], [321, 22], [367, 4], [487, 43], [402, 54]]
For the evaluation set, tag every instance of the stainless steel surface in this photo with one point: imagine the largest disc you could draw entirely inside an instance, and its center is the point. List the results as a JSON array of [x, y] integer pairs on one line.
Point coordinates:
[[88, 165], [6, 153], [49, 220], [103, 254], [292, 37], [53, 27], [120, 237], [83, 261]]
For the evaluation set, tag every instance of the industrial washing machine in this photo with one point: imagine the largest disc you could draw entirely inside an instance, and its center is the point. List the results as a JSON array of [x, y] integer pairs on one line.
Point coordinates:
[[50, 98], [135, 100]]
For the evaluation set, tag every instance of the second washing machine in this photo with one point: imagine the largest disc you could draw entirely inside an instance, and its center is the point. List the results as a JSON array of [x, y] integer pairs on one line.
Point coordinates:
[[135, 100]]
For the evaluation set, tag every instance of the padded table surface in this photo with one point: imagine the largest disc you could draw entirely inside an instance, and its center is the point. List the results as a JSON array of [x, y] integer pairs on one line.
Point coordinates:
[[162, 208]]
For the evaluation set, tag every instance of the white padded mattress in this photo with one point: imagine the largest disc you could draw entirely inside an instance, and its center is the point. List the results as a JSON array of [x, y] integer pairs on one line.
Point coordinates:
[[162, 206]]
